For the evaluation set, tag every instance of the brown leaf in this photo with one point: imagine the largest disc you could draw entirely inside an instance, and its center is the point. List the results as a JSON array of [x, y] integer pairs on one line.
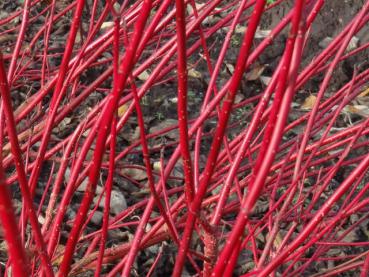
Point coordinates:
[[135, 173], [364, 93], [167, 123], [194, 73], [255, 73], [361, 110], [6, 38], [122, 110], [144, 75], [59, 255], [309, 103]]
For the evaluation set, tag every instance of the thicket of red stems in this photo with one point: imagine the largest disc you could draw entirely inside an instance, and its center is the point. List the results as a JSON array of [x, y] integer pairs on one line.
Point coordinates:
[[260, 192]]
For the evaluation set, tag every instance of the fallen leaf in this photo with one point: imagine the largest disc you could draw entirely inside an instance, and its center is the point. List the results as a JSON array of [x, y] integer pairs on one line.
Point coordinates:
[[141, 192], [107, 25], [194, 73], [353, 44], [41, 219], [59, 255], [6, 38], [131, 134], [209, 19], [364, 93], [240, 29], [197, 5], [135, 173], [265, 80], [64, 124], [167, 123], [309, 103], [157, 165], [144, 75], [278, 240], [122, 110], [361, 110], [262, 33], [230, 67], [239, 98], [255, 73]]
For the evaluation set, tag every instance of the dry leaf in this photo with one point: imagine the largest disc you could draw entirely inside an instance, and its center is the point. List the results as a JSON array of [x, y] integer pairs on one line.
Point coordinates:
[[364, 93], [144, 76], [197, 5], [141, 192], [230, 67], [351, 109], [361, 110], [309, 103], [107, 25], [168, 123], [6, 38], [122, 110], [209, 19], [239, 98], [262, 33], [135, 173], [157, 165], [353, 44], [240, 29], [130, 134], [41, 219], [278, 240], [265, 80], [64, 124], [255, 73], [59, 254], [194, 73]]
